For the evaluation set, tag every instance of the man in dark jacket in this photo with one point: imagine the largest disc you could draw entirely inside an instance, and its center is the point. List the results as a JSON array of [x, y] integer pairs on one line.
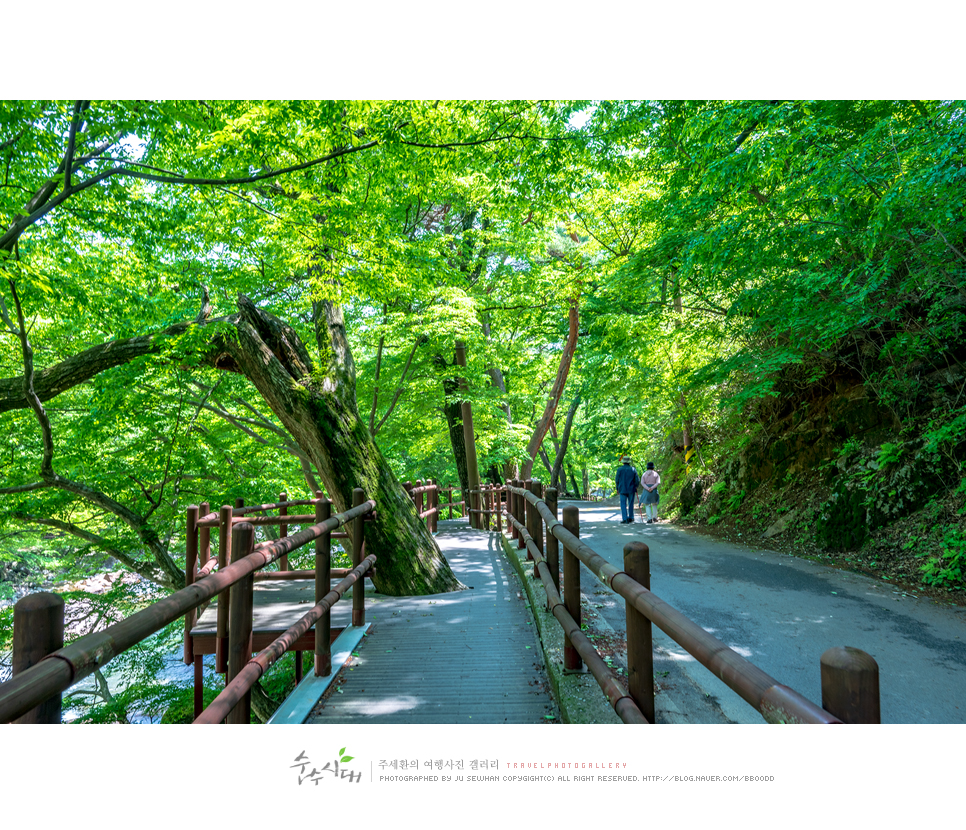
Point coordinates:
[[627, 481]]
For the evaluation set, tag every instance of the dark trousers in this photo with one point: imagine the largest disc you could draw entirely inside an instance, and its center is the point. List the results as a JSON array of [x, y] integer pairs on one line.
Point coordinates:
[[627, 507]]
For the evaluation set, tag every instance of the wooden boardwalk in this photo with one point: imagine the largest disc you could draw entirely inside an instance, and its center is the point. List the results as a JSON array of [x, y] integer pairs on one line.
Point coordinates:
[[463, 657]]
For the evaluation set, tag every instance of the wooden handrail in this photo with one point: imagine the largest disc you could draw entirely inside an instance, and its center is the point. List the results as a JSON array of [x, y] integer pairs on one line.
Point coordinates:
[[242, 683], [64, 667], [776, 703]]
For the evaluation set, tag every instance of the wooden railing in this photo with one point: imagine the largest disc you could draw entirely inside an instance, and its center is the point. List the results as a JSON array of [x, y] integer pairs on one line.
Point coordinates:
[[426, 497], [485, 505], [850, 685], [43, 669]]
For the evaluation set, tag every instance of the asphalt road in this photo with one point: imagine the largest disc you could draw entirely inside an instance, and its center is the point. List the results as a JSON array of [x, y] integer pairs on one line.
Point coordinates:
[[781, 613]]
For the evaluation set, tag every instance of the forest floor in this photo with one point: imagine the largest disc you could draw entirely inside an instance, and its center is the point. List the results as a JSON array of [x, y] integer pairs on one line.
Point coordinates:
[[895, 553]]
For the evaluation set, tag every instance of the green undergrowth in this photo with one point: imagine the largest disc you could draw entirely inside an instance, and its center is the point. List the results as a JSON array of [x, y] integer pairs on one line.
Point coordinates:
[[923, 550]]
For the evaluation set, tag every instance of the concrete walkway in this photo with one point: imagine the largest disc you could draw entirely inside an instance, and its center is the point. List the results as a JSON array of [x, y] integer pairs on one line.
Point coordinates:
[[463, 657]]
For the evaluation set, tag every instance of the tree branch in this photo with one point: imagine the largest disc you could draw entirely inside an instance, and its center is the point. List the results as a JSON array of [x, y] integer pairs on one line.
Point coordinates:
[[25, 488], [133, 520], [46, 464], [399, 387], [375, 389], [14, 139], [555, 393], [5, 317], [145, 569], [564, 441], [75, 125], [450, 145], [42, 204], [50, 382]]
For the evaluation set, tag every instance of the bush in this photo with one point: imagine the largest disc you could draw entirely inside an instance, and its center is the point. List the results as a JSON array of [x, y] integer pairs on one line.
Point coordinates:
[[948, 569]]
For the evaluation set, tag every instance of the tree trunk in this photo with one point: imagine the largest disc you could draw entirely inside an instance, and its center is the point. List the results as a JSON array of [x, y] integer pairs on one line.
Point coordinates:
[[510, 468], [472, 497], [546, 463], [263, 707], [685, 432], [493, 476], [555, 393], [573, 478], [320, 412], [564, 441], [319, 409], [454, 423]]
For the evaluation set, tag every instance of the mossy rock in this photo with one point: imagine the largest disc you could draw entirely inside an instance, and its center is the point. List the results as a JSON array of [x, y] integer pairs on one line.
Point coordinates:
[[843, 520], [691, 494]]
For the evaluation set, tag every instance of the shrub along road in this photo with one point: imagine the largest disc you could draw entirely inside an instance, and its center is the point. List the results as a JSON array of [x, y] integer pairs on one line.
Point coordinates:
[[781, 613]]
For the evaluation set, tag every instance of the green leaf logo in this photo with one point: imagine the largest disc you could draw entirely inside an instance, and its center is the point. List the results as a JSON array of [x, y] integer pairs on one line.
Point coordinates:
[[343, 758]]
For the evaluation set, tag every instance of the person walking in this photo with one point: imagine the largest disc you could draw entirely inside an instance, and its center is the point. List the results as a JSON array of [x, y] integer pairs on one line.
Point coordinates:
[[627, 480], [650, 497]]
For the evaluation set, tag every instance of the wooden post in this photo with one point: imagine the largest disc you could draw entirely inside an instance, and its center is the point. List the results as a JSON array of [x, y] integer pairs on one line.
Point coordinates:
[[190, 568], [358, 542], [240, 622], [485, 499], [204, 554], [239, 504], [527, 515], [435, 505], [224, 599], [449, 491], [419, 498], [323, 580], [204, 538], [199, 698], [640, 654], [850, 685], [283, 566], [553, 546], [536, 531], [38, 630], [499, 509], [469, 440], [511, 508], [283, 531], [436, 501], [571, 576]]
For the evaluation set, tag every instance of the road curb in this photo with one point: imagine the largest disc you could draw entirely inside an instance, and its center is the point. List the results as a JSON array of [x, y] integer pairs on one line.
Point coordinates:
[[579, 697]]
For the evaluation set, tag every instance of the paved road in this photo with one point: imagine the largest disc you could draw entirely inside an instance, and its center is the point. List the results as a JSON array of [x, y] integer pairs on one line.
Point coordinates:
[[781, 613]]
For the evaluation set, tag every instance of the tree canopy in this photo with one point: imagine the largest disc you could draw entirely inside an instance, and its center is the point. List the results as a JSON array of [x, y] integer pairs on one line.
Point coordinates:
[[627, 276]]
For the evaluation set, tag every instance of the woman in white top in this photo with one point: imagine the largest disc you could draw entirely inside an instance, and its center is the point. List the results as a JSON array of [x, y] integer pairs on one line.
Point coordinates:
[[650, 497]]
